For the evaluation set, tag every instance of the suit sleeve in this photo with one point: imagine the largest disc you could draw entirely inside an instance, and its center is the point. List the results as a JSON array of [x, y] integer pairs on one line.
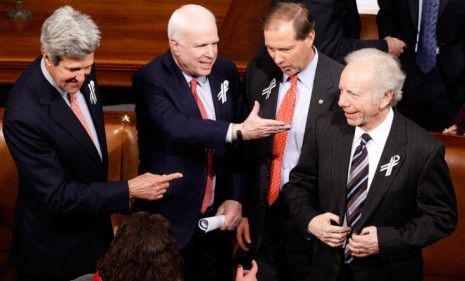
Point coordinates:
[[436, 208], [386, 19], [165, 114], [301, 192], [43, 179]]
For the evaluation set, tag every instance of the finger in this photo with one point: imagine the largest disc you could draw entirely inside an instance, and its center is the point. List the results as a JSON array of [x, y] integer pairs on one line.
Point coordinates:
[[240, 239], [254, 268], [255, 109], [169, 177], [240, 270]]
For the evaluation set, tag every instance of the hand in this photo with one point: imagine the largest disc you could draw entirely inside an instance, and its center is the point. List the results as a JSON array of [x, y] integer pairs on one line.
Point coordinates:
[[232, 210], [149, 186], [247, 275], [395, 46], [323, 229], [365, 243], [452, 130], [255, 127], [243, 234]]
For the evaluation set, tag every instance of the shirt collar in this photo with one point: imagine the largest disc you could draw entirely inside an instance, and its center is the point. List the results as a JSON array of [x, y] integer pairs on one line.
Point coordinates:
[[380, 133], [50, 79], [307, 75], [201, 79]]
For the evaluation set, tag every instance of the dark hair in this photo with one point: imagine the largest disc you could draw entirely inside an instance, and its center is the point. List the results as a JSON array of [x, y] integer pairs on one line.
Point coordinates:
[[286, 11], [143, 249]]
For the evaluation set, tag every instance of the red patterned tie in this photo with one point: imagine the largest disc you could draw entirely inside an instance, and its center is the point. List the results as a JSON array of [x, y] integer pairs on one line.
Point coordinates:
[[73, 103], [209, 188], [285, 113]]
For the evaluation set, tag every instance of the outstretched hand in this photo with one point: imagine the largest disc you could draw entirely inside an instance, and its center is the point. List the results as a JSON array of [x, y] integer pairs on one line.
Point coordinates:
[[255, 127]]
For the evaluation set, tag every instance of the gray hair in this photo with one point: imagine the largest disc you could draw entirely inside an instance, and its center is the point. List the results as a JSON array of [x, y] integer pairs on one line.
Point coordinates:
[[388, 75], [68, 33], [188, 16]]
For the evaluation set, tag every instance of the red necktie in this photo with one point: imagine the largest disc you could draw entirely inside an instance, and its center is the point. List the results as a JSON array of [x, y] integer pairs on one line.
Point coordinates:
[[73, 103], [209, 188], [285, 113]]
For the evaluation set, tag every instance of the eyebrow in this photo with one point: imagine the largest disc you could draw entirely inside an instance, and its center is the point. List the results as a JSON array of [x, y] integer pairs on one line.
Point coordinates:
[[77, 68]]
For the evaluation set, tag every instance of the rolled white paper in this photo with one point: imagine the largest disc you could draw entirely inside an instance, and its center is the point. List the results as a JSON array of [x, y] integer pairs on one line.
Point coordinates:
[[211, 223]]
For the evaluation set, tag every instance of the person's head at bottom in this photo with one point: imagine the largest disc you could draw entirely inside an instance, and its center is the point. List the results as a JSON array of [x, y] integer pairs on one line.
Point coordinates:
[[143, 249]]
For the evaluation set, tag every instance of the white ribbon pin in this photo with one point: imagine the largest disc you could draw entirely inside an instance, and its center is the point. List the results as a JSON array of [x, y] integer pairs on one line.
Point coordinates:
[[267, 90], [388, 166], [93, 96], [224, 89]]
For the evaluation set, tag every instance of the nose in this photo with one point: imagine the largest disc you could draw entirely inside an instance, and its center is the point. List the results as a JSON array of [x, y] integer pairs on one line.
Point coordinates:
[[277, 57], [81, 75], [342, 102], [211, 51]]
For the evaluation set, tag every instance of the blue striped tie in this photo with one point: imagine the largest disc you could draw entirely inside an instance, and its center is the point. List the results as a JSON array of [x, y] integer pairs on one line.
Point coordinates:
[[357, 188], [427, 42]]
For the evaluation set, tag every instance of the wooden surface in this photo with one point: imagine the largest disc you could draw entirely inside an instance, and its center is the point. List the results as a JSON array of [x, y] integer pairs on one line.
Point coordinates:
[[133, 32]]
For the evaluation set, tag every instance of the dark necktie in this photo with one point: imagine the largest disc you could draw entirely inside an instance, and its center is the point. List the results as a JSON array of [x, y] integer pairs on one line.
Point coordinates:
[[357, 188], [285, 113], [209, 186], [427, 41]]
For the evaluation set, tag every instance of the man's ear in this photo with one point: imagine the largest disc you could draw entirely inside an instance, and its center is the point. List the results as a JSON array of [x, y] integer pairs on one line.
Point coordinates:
[[386, 99], [174, 46]]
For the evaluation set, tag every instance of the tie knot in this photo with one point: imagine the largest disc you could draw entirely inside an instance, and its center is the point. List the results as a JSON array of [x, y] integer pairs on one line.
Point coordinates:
[[72, 97], [365, 139], [293, 78], [193, 83]]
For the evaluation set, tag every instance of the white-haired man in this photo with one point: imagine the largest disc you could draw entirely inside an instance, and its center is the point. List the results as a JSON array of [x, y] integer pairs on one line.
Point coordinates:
[[371, 188], [188, 108]]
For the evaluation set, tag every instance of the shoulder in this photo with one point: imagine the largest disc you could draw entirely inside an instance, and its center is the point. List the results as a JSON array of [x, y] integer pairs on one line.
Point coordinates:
[[224, 66], [157, 67], [326, 62]]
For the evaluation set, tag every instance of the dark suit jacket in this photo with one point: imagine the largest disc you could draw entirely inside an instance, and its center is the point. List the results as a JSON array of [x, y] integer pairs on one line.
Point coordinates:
[[259, 74], [337, 27], [412, 208], [62, 222], [399, 18], [174, 138]]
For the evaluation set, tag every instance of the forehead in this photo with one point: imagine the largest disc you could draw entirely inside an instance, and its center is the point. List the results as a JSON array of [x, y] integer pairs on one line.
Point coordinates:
[[73, 62], [357, 75], [201, 34], [279, 32]]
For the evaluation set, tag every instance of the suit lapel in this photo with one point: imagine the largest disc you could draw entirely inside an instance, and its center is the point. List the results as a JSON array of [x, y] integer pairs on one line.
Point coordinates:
[[340, 167], [62, 114], [96, 113], [323, 85], [395, 145]]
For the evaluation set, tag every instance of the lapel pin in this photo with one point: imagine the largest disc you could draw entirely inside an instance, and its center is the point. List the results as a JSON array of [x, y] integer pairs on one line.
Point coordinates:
[[224, 89], [267, 91], [320, 101], [388, 166], [93, 96]]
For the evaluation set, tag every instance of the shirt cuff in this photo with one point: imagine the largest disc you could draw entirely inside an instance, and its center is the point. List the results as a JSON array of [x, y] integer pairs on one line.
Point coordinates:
[[229, 134]]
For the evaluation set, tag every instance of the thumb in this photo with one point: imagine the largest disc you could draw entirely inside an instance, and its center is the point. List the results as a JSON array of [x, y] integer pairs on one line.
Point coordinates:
[[365, 231], [255, 109]]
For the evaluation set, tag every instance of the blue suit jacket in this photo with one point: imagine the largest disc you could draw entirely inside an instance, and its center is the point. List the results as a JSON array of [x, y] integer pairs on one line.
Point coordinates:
[[62, 222], [174, 138]]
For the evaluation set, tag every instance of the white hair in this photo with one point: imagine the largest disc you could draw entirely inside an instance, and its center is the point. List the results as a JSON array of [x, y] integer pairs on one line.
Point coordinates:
[[68, 33], [188, 16], [388, 75]]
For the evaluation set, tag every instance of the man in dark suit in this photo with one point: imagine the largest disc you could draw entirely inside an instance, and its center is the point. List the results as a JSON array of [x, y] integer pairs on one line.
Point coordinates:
[[54, 128], [371, 188], [337, 24], [432, 95], [289, 36], [188, 106]]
